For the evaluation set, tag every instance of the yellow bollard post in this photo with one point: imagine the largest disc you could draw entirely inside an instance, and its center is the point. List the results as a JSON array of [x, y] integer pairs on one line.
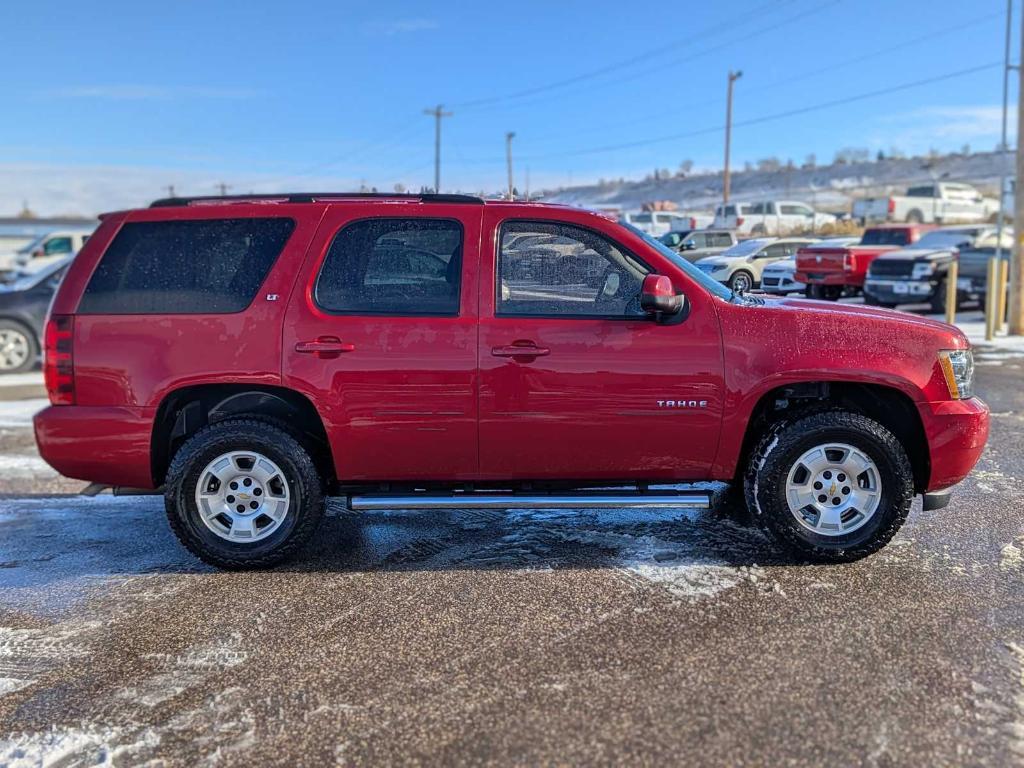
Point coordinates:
[[951, 276], [1001, 283], [990, 299]]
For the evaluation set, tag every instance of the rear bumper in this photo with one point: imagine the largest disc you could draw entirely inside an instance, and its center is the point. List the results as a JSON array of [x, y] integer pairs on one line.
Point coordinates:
[[98, 444], [956, 431], [830, 278]]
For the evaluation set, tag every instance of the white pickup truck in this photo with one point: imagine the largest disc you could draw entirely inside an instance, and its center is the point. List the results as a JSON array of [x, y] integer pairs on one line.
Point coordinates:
[[938, 203], [770, 217]]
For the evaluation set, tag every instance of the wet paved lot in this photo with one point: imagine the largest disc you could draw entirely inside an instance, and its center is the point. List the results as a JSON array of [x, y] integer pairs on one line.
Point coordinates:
[[522, 637]]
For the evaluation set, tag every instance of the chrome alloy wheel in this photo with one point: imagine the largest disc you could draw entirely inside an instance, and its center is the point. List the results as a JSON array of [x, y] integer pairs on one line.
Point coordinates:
[[833, 489], [14, 349], [242, 496]]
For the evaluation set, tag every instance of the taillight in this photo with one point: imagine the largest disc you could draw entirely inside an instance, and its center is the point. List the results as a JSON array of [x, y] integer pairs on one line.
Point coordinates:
[[739, 221], [693, 223], [892, 205], [59, 359], [849, 262]]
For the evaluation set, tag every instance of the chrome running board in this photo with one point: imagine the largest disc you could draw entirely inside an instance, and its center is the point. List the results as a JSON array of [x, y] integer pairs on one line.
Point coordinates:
[[485, 500]]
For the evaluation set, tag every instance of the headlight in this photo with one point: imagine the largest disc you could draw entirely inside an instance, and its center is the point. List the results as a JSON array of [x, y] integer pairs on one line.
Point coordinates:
[[958, 369], [923, 270]]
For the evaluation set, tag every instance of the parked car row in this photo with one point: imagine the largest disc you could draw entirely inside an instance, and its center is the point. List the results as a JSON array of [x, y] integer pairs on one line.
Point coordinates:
[[758, 218], [830, 273], [918, 272]]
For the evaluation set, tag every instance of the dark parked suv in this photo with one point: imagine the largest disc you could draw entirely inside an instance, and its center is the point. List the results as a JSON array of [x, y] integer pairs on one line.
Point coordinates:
[[23, 305], [250, 356]]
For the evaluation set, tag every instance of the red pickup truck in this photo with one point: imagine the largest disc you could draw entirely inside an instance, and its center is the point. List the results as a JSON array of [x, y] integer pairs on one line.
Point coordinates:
[[829, 272], [250, 356]]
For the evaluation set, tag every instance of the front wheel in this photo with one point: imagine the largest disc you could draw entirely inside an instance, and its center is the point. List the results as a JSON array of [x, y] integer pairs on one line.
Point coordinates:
[[243, 494], [741, 281], [831, 486]]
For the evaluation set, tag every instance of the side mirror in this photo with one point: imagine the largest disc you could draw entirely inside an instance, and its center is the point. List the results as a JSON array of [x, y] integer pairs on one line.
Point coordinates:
[[659, 298]]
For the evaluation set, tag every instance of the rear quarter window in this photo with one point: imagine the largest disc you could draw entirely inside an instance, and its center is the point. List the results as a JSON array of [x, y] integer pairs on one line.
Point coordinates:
[[208, 266]]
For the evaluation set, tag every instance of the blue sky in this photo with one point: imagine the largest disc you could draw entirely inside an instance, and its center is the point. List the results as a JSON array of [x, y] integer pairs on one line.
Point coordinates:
[[106, 102]]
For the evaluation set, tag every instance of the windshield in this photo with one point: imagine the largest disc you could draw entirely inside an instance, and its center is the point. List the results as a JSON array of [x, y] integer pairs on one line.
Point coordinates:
[[33, 245], [886, 237], [692, 272], [746, 248], [946, 239]]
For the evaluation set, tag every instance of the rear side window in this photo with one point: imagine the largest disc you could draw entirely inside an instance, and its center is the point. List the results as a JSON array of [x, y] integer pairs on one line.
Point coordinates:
[[209, 266], [393, 267]]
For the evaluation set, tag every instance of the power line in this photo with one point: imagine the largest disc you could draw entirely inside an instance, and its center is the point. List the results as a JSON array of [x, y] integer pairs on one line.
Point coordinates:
[[942, 32], [767, 118], [728, 25]]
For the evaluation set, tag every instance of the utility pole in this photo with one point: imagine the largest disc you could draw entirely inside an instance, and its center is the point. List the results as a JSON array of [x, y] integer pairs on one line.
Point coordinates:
[[1017, 262], [508, 157], [997, 324], [438, 113], [223, 188], [733, 77]]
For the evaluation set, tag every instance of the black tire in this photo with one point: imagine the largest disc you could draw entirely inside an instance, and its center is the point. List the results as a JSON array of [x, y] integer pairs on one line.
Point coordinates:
[[14, 327], [777, 452], [742, 274], [871, 301], [937, 302], [305, 510], [825, 292]]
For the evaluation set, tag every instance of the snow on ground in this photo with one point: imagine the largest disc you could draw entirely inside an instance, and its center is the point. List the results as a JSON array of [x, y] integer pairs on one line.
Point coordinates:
[[21, 379], [19, 413], [12, 466]]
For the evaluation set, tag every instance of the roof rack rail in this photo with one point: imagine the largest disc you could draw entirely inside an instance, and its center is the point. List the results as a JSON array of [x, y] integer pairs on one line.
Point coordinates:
[[311, 197]]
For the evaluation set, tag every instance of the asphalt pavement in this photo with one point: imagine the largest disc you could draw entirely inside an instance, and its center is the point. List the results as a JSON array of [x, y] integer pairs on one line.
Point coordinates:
[[520, 637]]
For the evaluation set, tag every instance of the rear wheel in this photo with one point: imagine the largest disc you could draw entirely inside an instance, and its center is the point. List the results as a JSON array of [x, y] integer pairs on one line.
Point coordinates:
[[831, 486], [243, 494], [19, 348]]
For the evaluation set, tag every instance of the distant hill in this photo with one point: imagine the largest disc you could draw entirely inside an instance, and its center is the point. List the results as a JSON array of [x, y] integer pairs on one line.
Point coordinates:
[[827, 187]]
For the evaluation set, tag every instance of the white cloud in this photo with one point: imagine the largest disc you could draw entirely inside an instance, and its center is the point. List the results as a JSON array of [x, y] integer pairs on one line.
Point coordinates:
[[399, 26], [945, 126], [137, 92]]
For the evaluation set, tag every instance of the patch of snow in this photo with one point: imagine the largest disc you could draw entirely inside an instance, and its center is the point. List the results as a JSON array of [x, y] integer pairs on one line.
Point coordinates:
[[22, 379], [19, 413], [1011, 556], [25, 466], [86, 745], [12, 684]]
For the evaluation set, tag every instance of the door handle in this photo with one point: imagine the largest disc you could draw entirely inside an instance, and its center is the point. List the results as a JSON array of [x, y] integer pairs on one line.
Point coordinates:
[[324, 346], [520, 349]]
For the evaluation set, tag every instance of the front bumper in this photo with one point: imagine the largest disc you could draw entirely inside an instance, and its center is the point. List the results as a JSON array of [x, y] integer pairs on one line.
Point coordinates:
[[780, 284], [956, 431], [99, 444], [896, 291]]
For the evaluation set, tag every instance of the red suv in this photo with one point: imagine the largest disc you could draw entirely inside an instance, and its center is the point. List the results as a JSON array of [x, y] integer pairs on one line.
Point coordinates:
[[250, 356]]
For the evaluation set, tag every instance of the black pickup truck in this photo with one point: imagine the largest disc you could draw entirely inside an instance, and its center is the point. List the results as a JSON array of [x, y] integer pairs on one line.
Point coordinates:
[[917, 274]]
